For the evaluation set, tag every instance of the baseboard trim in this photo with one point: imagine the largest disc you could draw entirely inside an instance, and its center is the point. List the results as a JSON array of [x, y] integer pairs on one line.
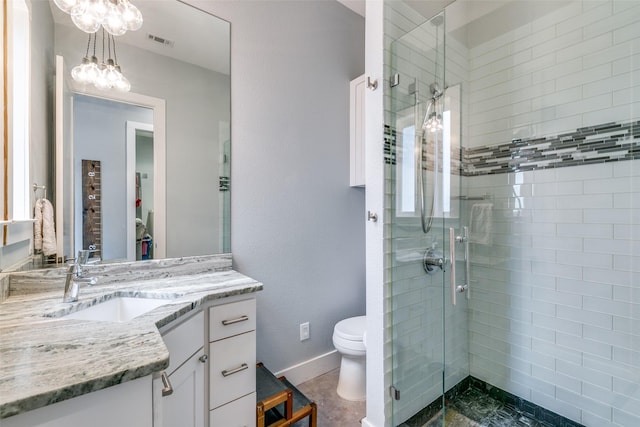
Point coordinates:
[[311, 368], [366, 423]]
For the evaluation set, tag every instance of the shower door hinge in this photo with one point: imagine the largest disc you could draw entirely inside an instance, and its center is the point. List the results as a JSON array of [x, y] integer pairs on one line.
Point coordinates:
[[394, 80], [372, 84], [394, 392]]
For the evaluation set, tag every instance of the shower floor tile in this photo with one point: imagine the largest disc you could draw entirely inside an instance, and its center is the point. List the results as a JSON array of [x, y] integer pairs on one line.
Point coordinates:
[[472, 406], [452, 419], [489, 412]]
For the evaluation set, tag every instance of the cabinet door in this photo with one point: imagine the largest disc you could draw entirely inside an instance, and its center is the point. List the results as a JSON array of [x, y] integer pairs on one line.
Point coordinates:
[[239, 413], [184, 407]]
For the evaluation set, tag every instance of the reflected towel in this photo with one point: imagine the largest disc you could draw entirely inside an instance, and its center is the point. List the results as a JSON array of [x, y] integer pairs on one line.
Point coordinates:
[[481, 223], [44, 231]]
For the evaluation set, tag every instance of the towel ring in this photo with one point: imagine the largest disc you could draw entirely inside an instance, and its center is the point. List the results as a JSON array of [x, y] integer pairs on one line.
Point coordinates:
[[37, 187]]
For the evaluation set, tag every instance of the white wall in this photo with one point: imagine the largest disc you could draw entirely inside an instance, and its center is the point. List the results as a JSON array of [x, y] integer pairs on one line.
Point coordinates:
[[296, 224], [378, 355]]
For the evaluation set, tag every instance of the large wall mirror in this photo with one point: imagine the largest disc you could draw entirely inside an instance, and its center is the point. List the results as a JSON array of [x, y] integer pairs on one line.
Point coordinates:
[[158, 157]]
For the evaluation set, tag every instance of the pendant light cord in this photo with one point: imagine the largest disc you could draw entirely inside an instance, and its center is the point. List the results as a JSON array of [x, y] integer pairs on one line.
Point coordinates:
[[86, 55]]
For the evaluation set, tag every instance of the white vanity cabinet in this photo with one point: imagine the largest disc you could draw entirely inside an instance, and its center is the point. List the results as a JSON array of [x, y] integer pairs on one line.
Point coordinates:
[[210, 380], [126, 404], [179, 390], [232, 370]]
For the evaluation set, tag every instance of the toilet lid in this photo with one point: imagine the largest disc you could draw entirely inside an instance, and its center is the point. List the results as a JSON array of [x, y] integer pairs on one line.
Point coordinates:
[[352, 328]]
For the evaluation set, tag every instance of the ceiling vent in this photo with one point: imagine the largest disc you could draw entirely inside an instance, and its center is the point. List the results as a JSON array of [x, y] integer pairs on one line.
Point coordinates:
[[160, 40]]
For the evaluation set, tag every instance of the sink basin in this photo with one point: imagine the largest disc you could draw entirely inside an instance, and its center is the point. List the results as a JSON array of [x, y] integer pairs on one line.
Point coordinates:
[[120, 309]]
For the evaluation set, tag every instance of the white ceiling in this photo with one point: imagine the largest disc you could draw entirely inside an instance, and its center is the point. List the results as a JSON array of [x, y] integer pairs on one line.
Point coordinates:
[[203, 39], [199, 38], [473, 22], [358, 6], [426, 8]]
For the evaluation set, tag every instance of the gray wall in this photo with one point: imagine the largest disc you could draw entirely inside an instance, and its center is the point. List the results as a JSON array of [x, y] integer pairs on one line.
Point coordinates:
[[99, 133], [42, 75], [297, 226]]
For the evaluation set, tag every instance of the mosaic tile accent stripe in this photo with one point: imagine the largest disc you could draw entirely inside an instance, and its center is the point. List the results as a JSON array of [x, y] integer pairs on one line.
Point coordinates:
[[607, 142], [391, 156], [224, 183], [389, 145]]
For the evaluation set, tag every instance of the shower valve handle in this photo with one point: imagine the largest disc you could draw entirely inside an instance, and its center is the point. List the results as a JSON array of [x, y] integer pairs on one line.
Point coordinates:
[[432, 260]]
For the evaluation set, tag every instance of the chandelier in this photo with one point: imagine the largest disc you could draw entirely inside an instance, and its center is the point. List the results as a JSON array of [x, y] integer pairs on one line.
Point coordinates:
[[115, 16], [106, 75]]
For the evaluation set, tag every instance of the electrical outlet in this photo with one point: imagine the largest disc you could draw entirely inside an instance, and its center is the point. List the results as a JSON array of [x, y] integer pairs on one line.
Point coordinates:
[[304, 331]]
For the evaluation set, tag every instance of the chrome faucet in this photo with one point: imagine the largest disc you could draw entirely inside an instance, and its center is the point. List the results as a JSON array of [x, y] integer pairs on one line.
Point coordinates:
[[75, 278]]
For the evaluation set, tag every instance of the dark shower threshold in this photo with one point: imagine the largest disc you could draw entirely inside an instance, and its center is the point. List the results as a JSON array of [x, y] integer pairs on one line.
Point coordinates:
[[489, 406]]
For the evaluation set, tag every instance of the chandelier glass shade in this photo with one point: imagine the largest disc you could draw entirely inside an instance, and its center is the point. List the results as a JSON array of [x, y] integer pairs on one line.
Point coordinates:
[[433, 119], [105, 75], [115, 16]]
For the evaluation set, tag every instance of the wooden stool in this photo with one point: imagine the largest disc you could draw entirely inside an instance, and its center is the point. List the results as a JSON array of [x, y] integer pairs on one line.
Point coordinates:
[[273, 392]]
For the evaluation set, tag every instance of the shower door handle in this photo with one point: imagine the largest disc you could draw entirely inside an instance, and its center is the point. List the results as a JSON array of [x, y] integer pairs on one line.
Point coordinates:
[[453, 239], [467, 262], [452, 257]]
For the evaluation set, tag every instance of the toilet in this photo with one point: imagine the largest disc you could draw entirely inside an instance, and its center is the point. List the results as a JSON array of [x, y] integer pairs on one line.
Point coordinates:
[[349, 337]]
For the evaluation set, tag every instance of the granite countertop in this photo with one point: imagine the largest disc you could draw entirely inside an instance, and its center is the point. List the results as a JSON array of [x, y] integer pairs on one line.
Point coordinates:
[[46, 359]]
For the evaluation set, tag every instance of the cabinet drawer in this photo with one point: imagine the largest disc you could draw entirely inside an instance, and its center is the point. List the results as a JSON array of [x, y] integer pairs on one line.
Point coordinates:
[[239, 413], [232, 319], [232, 371], [184, 340]]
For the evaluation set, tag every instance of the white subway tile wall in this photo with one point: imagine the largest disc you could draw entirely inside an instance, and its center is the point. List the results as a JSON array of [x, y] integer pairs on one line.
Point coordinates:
[[554, 315], [582, 337], [569, 69]]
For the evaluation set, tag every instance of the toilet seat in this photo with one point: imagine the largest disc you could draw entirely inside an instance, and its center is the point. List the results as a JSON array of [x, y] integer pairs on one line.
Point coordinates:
[[348, 336], [351, 329]]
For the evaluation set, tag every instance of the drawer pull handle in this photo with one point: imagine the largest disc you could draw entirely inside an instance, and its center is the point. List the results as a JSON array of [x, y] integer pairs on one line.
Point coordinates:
[[167, 389], [242, 367], [203, 358], [236, 320]]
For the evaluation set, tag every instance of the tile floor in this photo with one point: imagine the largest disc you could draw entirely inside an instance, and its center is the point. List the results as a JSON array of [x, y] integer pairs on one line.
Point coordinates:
[[333, 411], [470, 408]]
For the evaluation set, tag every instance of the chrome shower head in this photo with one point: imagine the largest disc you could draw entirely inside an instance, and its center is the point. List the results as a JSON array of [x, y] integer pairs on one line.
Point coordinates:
[[435, 90]]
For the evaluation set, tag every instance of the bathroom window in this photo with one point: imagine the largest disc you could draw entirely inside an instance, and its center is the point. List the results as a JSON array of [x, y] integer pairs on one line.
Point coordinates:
[[17, 83], [406, 178], [408, 169]]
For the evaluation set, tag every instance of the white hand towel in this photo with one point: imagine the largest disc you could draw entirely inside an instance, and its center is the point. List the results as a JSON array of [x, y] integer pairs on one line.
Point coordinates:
[[44, 232], [481, 223], [37, 225]]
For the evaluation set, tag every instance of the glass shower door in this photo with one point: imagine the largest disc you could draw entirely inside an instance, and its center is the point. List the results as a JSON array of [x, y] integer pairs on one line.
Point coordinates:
[[428, 313]]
